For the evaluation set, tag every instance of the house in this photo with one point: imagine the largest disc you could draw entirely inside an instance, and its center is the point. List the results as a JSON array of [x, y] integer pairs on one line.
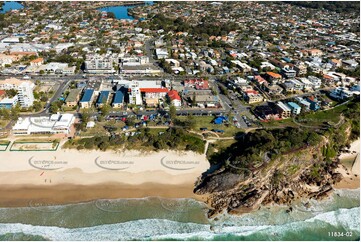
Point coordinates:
[[260, 81], [199, 84], [8, 59], [307, 84], [72, 98], [283, 110], [295, 108], [316, 82], [303, 102], [87, 99], [273, 77], [341, 93], [315, 52], [118, 99], [350, 64], [313, 103], [174, 98], [37, 62], [288, 72], [103, 98], [301, 68]]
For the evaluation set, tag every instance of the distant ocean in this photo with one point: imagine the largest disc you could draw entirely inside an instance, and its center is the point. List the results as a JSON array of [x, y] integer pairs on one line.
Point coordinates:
[[181, 219]]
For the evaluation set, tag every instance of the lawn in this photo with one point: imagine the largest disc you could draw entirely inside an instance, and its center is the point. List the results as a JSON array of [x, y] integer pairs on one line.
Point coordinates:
[[100, 130], [4, 142], [279, 123], [206, 122], [320, 117]]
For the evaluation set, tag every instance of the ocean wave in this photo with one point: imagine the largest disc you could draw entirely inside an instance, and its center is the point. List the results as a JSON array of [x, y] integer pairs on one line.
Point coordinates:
[[160, 229]]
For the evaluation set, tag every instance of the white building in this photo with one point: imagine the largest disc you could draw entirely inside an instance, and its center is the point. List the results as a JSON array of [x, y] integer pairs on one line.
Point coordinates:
[[135, 96], [161, 53], [25, 95], [315, 81], [55, 124], [13, 83]]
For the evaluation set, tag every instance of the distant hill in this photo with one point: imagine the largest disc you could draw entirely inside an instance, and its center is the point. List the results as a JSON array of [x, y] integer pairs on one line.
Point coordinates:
[[338, 6]]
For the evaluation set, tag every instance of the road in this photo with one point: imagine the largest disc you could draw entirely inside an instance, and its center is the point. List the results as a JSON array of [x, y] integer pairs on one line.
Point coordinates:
[[63, 85], [234, 106]]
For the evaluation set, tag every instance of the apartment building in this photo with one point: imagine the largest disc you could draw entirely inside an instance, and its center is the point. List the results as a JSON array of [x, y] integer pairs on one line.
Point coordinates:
[[283, 110], [73, 98], [25, 94], [87, 99]]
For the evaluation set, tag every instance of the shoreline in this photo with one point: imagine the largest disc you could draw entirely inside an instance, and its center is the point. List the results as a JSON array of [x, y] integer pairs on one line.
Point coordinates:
[[81, 179], [25, 196]]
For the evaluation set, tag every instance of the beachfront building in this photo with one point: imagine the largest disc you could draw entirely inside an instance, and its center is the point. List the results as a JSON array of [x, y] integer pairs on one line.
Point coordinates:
[[118, 101], [87, 99], [55, 124]]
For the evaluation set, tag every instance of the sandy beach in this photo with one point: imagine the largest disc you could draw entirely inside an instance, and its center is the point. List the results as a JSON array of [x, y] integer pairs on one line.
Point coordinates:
[[67, 176], [350, 167]]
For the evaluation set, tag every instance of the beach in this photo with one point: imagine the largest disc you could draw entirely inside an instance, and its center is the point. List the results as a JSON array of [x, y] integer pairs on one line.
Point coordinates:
[[350, 167], [69, 176]]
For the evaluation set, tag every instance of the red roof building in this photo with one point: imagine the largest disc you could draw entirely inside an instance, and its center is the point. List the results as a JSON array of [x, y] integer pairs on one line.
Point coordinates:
[[173, 95], [2, 93], [198, 84]]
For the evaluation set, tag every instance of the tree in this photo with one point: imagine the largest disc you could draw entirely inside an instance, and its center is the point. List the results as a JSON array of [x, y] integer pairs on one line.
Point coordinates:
[[85, 116], [53, 108], [194, 99], [110, 15], [172, 112]]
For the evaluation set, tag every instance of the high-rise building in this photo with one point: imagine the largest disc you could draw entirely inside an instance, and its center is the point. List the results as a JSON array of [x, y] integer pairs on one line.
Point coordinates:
[[25, 95]]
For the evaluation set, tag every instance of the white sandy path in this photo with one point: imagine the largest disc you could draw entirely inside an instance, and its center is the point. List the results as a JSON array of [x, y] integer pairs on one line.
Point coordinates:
[[80, 167]]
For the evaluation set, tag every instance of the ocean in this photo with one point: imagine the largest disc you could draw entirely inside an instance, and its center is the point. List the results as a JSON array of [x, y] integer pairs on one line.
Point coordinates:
[[182, 219]]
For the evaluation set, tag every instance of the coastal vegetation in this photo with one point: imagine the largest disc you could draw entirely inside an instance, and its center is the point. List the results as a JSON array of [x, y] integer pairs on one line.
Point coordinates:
[[279, 165], [142, 139]]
